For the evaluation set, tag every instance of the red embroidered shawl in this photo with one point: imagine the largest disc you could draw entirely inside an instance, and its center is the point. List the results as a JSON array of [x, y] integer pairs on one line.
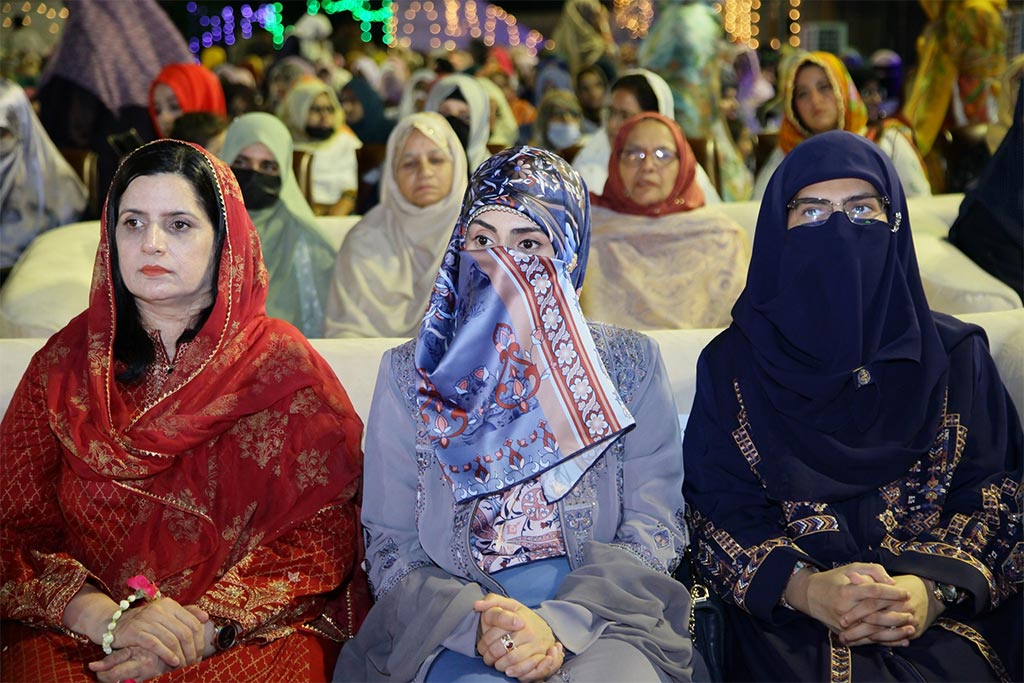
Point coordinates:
[[236, 488]]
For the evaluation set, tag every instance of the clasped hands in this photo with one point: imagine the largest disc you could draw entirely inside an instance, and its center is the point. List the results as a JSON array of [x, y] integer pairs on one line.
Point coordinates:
[[154, 638], [536, 654], [864, 605]]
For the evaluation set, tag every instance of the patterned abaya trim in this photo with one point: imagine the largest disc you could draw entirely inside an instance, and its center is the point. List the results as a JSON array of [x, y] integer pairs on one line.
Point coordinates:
[[965, 631], [947, 551], [840, 664], [735, 573], [397, 578]]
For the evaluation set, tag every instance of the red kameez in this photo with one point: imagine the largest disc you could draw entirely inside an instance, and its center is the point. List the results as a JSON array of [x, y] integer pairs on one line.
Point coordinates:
[[232, 481]]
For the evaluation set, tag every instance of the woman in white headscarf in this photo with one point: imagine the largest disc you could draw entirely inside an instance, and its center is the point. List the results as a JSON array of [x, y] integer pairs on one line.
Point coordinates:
[[38, 189], [385, 269], [414, 93], [504, 129], [464, 104], [314, 115], [258, 147], [635, 91]]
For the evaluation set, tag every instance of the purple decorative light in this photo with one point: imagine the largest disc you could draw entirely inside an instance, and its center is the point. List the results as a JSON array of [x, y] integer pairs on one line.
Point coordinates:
[[191, 7], [246, 11]]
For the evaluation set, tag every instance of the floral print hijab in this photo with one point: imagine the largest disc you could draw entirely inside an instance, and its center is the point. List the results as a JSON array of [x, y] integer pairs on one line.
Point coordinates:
[[512, 386]]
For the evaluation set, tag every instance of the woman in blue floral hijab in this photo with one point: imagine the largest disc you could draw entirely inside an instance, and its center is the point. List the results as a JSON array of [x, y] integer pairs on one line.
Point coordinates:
[[522, 490]]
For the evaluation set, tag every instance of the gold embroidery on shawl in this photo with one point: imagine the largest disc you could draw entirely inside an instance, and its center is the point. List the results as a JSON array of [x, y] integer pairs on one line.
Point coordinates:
[[311, 469], [304, 403], [261, 437], [166, 500], [840, 664], [965, 631], [233, 531], [282, 358], [182, 525]]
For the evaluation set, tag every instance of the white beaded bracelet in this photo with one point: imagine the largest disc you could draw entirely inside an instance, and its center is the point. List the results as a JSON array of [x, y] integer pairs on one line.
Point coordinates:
[[144, 588]]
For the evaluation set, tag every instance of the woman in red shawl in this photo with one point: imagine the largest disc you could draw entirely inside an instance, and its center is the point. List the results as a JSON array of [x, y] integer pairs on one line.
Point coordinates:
[[180, 89], [660, 258], [174, 431]]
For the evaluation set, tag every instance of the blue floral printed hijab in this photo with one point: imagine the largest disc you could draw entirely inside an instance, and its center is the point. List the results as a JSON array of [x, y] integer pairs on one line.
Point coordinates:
[[512, 385]]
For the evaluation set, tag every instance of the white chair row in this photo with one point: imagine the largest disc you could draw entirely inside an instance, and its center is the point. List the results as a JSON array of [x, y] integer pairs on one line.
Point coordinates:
[[355, 361], [50, 283]]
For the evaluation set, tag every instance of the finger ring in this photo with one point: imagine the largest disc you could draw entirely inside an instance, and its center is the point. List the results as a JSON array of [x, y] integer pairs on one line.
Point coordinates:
[[507, 642]]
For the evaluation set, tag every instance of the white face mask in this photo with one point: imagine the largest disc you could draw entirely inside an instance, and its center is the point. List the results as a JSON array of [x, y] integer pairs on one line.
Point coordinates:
[[563, 135]]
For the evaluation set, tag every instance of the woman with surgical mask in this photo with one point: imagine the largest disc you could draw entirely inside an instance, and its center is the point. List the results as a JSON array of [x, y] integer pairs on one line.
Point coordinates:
[[559, 121], [316, 120], [258, 147]]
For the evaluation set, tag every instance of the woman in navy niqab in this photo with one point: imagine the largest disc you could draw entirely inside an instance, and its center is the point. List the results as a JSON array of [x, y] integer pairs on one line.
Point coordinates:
[[843, 434], [845, 346]]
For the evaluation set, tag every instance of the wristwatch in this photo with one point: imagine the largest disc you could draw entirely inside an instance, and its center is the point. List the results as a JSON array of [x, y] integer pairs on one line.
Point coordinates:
[[948, 594], [224, 636]]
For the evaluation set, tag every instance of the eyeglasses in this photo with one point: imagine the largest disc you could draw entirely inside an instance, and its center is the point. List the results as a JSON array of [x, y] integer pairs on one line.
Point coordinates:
[[860, 210], [662, 156], [328, 109]]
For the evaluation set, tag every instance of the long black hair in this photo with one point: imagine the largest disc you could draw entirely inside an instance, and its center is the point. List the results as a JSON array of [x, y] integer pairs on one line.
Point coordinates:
[[132, 345]]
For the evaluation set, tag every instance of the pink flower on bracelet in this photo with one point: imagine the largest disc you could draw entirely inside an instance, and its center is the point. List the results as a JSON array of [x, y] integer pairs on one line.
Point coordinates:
[[144, 588], [147, 587]]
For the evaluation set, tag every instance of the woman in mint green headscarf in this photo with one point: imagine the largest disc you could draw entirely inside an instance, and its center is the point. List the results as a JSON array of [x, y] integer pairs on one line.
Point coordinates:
[[258, 147], [683, 47]]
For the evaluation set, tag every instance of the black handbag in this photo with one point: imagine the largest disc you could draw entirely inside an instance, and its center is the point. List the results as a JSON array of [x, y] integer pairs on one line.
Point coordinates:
[[707, 618]]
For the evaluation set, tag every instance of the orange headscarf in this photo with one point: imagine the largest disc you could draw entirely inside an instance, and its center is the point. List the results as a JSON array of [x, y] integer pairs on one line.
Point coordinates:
[[196, 87], [853, 115], [685, 194]]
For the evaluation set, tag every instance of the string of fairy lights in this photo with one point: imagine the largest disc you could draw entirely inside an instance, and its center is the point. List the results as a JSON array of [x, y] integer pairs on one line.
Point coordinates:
[[52, 18], [400, 22], [742, 21]]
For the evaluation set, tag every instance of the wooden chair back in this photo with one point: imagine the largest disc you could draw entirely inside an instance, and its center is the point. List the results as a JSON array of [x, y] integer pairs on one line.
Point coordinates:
[[370, 157], [302, 164], [706, 153], [85, 163], [766, 144]]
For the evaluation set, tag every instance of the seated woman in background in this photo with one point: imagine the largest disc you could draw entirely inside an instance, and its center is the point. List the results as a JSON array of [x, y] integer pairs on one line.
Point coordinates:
[[282, 76], [38, 189], [853, 475], [820, 95], [364, 112], [317, 122], [511, 448], [461, 100], [173, 434], [182, 88], [258, 147], [635, 91], [385, 270], [504, 129], [990, 225], [557, 127], [658, 260], [204, 128]]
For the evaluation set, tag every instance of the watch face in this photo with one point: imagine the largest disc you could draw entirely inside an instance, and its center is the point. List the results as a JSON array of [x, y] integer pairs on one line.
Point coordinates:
[[946, 594], [226, 636]]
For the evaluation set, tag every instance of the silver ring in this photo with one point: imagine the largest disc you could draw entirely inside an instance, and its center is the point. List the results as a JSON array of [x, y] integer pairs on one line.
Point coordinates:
[[507, 642]]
